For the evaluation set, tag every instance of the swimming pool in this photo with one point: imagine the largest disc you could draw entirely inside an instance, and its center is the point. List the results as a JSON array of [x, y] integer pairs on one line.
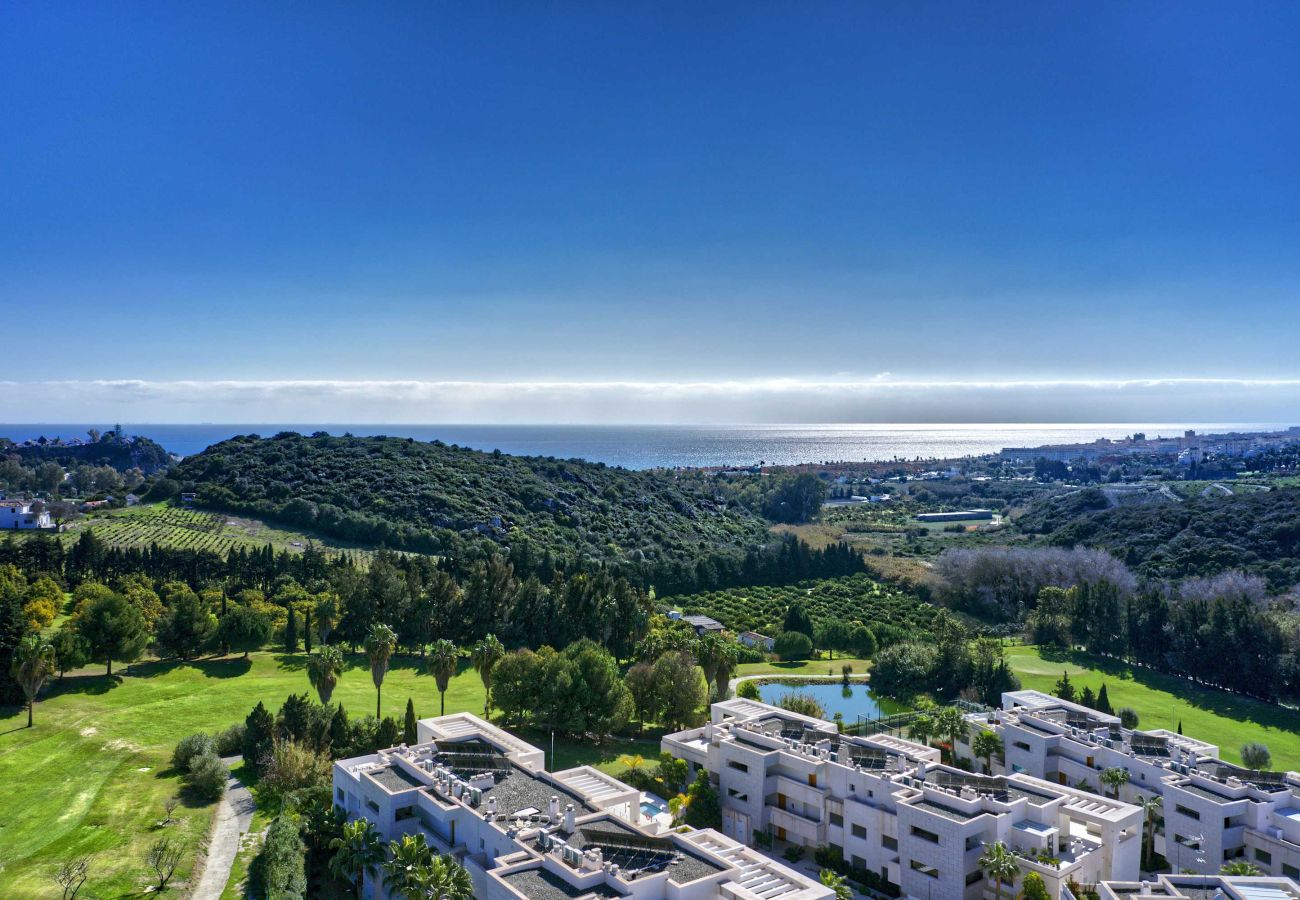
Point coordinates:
[[650, 809]]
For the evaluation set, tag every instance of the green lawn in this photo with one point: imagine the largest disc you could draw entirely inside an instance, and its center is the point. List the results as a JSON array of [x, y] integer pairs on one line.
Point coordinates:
[[92, 776], [823, 666], [1163, 701]]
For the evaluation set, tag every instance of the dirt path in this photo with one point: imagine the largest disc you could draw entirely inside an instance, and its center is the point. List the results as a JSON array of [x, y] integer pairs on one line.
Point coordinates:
[[234, 816]]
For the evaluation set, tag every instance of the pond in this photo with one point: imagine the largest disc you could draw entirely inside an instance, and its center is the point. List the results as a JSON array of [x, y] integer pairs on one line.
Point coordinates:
[[852, 700]]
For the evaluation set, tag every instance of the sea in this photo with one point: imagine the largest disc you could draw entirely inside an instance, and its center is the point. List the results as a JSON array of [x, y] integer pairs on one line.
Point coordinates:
[[671, 446]]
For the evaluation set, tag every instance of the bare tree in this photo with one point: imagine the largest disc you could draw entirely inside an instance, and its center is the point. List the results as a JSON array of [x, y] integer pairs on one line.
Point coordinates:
[[72, 875], [163, 858], [169, 806]]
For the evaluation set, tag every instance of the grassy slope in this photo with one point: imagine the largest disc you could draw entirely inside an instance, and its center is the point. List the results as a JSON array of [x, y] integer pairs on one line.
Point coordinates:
[[79, 788], [1162, 701]]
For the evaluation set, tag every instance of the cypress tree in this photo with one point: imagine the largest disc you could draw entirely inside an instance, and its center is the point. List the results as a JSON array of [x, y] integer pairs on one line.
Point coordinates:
[[291, 632], [306, 631], [1103, 701], [259, 735], [410, 734], [340, 734]]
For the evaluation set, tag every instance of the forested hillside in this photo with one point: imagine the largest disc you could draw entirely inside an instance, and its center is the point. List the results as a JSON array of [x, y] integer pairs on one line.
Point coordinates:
[[1257, 533], [435, 498]]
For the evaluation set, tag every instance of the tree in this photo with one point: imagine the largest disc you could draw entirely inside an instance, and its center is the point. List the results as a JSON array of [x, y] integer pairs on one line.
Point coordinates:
[[708, 653], [33, 664], [922, 728], [444, 657], [727, 660], [186, 627], [485, 656], [904, 670], [406, 855], [985, 746], [1087, 697], [1064, 688], [836, 883], [1128, 717], [244, 628], [793, 645], [443, 878], [999, 864], [190, 747], [323, 670], [71, 651], [862, 641], [380, 643], [1103, 701], [1114, 778], [357, 852], [797, 619], [680, 687], [1150, 807], [114, 629], [259, 736], [640, 681], [703, 808], [207, 777], [387, 733], [279, 870], [1033, 888], [72, 875], [163, 857], [1255, 755], [410, 733], [1240, 867], [950, 726], [291, 631]]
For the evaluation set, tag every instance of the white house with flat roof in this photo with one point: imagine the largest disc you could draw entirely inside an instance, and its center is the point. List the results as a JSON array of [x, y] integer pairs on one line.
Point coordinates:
[[483, 796], [1200, 887], [1214, 812], [889, 807]]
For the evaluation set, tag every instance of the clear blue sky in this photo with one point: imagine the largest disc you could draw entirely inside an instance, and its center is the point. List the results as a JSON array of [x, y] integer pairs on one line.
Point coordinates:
[[651, 192]]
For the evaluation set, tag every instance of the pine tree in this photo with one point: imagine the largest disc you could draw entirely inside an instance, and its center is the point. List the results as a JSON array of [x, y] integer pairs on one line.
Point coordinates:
[[291, 632], [410, 734], [1086, 698], [1103, 701], [1064, 689]]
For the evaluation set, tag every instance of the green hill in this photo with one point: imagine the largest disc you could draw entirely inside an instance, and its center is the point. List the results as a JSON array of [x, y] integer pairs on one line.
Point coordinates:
[[435, 498]]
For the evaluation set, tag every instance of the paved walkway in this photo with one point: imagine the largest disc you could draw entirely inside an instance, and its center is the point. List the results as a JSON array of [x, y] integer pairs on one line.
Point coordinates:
[[234, 816]]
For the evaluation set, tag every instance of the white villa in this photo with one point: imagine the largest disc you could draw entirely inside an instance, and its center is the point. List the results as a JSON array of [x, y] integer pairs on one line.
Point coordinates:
[[482, 795], [1214, 812], [889, 807], [20, 514]]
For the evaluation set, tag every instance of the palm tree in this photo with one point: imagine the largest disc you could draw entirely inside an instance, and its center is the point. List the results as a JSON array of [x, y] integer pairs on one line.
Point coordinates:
[[485, 656], [443, 658], [406, 855], [999, 864], [323, 670], [836, 883], [985, 745], [380, 643], [950, 726], [922, 728], [708, 653], [1239, 867], [33, 664], [442, 879], [1114, 778], [727, 660], [1150, 807], [357, 852], [634, 764]]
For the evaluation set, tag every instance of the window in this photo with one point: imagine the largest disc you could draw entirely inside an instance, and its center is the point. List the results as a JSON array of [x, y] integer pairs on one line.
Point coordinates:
[[888, 843], [1263, 856], [925, 835], [859, 831], [404, 812], [374, 807], [837, 820], [737, 795], [1184, 811], [930, 871], [973, 877], [340, 792], [739, 767], [812, 779], [1290, 871], [1020, 745]]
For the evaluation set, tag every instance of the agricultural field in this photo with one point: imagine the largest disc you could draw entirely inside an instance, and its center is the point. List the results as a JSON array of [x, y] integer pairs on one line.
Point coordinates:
[[192, 529], [94, 771], [1163, 701], [893, 615]]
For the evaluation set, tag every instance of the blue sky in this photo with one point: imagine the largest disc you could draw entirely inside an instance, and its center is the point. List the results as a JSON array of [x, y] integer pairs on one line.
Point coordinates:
[[699, 193]]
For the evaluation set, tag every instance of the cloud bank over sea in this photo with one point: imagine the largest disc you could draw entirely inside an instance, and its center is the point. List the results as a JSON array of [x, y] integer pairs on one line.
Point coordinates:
[[878, 399]]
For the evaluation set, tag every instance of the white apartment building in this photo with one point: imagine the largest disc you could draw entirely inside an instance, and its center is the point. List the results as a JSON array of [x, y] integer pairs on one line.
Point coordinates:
[[19, 514], [889, 807], [1199, 887], [482, 795], [1213, 811]]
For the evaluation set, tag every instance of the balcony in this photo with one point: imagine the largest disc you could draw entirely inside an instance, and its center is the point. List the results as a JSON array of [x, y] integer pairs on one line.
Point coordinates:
[[798, 829]]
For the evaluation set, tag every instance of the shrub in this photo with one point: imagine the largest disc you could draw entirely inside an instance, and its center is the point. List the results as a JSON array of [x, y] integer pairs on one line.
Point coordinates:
[[794, 853], [206, 779], [793, 645], [190, 747], [293, 767], [280, 868], [230, 742], [804, 704], [1128, 717], [749, 690]]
